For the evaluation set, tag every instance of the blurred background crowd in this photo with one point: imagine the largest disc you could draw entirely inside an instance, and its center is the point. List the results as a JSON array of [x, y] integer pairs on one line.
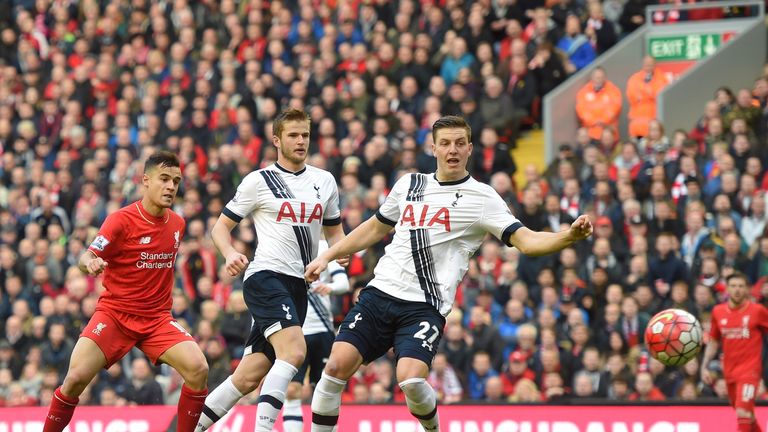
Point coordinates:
[[89, 88]]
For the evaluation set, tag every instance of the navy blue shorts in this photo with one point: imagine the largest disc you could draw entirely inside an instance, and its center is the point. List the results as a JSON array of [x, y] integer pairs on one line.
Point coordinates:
[[275, 301], [379, 322], [318, 350]]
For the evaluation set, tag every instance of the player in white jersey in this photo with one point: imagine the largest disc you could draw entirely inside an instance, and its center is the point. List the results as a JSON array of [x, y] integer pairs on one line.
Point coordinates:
[[440, 220], [289, 203], [319, 334]]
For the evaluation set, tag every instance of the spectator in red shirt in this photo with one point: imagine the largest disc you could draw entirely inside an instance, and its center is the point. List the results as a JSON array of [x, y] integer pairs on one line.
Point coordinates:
[[645, 390]]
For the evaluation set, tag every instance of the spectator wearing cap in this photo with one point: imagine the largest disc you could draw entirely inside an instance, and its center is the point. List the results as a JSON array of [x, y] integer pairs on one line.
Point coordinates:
[[517, 369], [642, 89], [693, 193], [565, 154], [576, 46], [598, 104], [604, 229]]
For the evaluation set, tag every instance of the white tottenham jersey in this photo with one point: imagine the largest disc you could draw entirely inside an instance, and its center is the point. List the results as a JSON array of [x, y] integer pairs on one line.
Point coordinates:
[[319, 313], [288, 211], [438, 226]]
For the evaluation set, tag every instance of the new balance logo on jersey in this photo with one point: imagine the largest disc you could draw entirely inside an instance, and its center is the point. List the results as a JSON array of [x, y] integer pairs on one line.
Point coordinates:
[[99, 328], [456, 201], [287, 312], [358, 317], [441, 217], [289, 214], [145, 240], [317, 191]]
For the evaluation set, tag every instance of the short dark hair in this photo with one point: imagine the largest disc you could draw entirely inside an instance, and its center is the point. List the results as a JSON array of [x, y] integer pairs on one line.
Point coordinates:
[[737, 275], [161, 159], [451, 122], [291, 114]]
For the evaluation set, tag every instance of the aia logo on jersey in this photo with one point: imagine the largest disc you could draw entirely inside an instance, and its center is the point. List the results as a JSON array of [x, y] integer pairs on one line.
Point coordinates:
[[418, 218], [300, 214]]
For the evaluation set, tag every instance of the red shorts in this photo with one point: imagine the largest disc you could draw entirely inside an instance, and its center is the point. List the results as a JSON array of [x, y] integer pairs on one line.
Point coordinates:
[[742, 393], [117, 332]]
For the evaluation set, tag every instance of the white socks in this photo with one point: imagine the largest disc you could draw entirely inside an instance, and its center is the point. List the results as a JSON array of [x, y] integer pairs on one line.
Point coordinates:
[[422, 402], [218, 403], [273, 394], [293, 421], [325, 403]]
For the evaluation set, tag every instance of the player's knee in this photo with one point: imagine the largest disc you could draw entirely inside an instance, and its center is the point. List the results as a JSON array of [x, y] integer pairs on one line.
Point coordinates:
[[337, 369], [198, 373], [295, 357], [415, 388], [75, 382]]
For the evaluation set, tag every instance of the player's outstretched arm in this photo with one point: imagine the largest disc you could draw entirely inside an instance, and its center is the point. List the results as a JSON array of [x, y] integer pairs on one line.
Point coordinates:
[[365, 235], [709, 354], [222, 239], [90, 264], [537, 243]]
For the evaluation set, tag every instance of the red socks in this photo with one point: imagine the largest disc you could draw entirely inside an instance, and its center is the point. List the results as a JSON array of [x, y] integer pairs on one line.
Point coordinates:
[[190, 404], [60, 412], [746, 424]]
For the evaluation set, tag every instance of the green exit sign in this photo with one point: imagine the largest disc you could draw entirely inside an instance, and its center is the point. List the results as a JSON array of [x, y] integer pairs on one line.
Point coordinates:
[[688, 47]]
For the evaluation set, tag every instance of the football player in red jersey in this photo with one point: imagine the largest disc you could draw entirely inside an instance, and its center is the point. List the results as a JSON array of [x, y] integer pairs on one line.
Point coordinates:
[[136, 250], [738, 325]]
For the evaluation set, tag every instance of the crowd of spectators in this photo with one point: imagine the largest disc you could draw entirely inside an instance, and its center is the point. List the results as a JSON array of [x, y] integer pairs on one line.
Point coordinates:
[[89, 88]]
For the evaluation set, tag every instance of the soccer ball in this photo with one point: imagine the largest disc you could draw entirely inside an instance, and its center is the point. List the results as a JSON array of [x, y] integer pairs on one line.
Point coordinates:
[[673, 337]]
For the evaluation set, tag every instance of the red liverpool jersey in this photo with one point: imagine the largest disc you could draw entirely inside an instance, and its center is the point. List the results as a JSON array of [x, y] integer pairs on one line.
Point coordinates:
[[740, 332], [140, 251]]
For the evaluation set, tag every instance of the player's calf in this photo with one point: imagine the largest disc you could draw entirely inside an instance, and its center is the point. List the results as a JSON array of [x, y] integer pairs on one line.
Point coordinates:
[[326, 402], [422, 402], [746, 421], [293, 419]]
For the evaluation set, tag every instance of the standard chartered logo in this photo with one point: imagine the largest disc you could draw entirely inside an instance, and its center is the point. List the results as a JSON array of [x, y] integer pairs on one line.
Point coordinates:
[[153, 261]]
